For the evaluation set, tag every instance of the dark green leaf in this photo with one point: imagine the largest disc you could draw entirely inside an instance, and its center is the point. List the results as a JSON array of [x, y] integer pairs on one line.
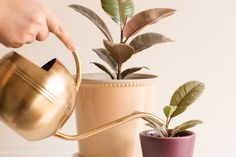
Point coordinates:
[[184, 126], [185, 95], [119, 52], [157, 128], [147, 40], [91, 15], [158, 122], [103, 68], [144, 18], [118, 9], [150, 123], [169, 110], [129, 71], [105, 56]]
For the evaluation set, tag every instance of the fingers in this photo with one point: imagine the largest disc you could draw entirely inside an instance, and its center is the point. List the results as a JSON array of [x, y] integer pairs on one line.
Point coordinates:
[[12, 45], [35, 26], [35, 31], [58, 30], [43, 32]]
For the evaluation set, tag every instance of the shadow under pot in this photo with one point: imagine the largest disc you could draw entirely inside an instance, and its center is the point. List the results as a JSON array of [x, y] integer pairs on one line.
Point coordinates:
[[155, 146]]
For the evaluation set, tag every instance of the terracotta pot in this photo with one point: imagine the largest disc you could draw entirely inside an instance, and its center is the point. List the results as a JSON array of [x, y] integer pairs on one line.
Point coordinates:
[[101, 100], [182, 146]]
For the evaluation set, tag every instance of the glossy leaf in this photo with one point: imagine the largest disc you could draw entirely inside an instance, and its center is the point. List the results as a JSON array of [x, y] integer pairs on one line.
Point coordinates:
[[184, 126], [185, 95], [129, 71], [169, 110], [118, 9], [147, 40], [160, 122], [119, 52], [92, 16], [105, 56], [103, 68], [144, 18], [157, 128]]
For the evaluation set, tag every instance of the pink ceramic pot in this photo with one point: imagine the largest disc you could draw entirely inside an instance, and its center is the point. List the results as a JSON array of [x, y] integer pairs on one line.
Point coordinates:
[[153, 146]]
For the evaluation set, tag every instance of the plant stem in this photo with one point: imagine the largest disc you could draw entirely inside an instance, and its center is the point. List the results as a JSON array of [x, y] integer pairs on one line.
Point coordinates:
[[125, 40], [121, 33], [167, 126], [167, 123], [122, 30], [121, 23], [119, 72]]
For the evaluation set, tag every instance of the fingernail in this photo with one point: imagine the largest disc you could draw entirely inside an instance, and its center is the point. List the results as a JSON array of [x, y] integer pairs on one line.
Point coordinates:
[[76, 48], [72, 47]]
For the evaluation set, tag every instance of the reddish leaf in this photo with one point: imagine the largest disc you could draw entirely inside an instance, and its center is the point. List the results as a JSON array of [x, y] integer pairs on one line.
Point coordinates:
[[144, 18], [119, 52]]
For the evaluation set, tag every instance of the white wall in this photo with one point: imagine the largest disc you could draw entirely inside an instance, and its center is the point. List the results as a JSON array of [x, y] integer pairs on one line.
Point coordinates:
[[204, 31]]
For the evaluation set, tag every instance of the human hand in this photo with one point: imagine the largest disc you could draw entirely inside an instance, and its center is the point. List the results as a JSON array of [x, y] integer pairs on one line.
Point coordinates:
[[24, 21]]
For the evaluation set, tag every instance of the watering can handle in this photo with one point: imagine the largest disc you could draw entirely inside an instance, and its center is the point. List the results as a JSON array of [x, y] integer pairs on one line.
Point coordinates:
[[110, 125], [78, 71]]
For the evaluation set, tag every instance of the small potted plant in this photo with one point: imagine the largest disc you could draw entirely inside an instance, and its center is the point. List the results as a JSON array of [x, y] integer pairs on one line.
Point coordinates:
[[176, 142], [104, 97]]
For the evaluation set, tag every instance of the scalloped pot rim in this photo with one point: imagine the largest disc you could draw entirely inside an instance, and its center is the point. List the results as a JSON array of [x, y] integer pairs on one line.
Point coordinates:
[[104, 78]]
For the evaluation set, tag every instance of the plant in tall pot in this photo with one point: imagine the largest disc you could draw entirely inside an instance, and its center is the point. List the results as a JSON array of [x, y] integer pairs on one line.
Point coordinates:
[[104, 97], [176, 142]]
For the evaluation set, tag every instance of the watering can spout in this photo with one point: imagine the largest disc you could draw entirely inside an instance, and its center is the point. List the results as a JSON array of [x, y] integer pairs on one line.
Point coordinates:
[[36, 102], [110, 125]]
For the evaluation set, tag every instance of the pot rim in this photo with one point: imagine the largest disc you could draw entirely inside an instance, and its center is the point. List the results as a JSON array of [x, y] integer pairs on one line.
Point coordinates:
[[191, 135], [103, 80], [102, 77]]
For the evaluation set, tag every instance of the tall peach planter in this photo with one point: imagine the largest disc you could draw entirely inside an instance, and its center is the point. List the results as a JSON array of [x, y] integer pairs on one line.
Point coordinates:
[[101, 100]]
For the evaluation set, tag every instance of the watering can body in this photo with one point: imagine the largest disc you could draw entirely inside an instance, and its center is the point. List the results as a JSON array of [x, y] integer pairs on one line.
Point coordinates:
[[35, 101]]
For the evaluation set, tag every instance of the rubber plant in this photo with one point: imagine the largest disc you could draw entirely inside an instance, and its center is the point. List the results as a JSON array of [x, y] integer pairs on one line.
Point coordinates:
[[122, 13], [182, 98]]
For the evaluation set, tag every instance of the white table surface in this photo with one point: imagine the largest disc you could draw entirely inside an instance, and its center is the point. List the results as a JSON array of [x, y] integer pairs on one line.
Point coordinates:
[[36, 154], [217, 153]]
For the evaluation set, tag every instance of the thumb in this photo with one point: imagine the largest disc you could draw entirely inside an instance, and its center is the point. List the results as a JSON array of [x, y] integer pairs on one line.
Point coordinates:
[[56, 28]]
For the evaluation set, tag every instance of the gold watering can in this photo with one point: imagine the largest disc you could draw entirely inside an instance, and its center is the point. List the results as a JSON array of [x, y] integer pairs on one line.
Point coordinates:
[[37, 101]]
